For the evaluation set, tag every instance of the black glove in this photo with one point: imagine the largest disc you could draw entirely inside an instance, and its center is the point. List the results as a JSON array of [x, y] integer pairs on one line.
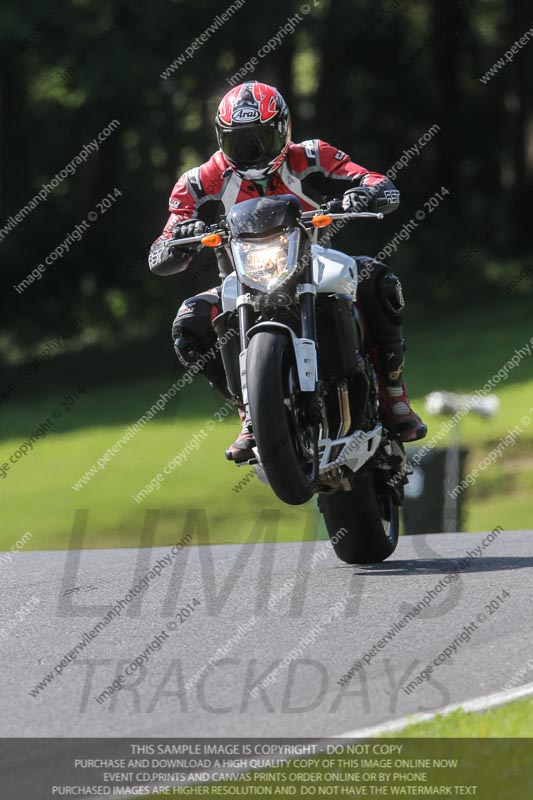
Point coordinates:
[[182, 230], [165, 260], [361, 198]]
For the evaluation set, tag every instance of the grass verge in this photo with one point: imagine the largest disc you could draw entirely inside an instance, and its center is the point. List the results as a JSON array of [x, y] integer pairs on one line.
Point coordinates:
[[459, 353]]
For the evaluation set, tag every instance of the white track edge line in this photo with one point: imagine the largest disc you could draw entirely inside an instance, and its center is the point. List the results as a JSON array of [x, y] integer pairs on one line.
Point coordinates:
[[478, 704], [482, 703]]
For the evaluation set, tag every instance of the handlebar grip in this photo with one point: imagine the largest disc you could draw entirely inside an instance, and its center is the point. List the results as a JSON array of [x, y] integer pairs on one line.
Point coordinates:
[[334, 206]]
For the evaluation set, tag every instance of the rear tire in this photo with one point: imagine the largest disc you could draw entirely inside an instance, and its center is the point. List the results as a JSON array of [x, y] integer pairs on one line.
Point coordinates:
[[371, 522], [268, 365]]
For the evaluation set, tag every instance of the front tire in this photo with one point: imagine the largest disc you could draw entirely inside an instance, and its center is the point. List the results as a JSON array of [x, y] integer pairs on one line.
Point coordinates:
[[269, 365], [362, 525]]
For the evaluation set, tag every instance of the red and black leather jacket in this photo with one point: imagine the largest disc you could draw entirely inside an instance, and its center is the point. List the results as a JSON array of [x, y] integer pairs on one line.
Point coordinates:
[[314, 171]]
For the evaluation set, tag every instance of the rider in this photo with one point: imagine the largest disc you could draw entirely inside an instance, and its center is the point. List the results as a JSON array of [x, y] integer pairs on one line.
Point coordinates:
[[257, 158]]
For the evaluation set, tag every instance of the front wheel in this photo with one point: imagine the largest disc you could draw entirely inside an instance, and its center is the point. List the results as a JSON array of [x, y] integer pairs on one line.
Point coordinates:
[[363, 525], [273, 395]]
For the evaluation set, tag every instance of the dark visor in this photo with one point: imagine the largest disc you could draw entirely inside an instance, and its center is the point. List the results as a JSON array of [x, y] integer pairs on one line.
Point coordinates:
[[253, 146]]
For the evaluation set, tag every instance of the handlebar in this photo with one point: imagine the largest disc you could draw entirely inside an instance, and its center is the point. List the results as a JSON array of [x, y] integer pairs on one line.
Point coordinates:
[[327, 210]]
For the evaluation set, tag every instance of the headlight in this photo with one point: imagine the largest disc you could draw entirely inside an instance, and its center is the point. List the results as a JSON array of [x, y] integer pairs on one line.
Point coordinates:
[[266, 264]]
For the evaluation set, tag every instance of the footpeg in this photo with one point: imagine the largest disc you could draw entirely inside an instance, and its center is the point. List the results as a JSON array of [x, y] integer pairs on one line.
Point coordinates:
[[250, 463]]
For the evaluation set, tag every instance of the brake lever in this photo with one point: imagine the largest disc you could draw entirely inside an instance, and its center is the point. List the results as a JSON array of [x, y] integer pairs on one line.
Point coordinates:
[[181, 242], [196, 239]]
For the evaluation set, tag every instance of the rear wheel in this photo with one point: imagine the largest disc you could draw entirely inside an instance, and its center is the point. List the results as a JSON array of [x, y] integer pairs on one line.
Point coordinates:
[[274, 399], [362, 525]]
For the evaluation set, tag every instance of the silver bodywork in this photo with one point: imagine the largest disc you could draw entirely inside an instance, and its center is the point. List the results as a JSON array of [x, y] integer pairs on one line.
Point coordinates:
[[333, 273]]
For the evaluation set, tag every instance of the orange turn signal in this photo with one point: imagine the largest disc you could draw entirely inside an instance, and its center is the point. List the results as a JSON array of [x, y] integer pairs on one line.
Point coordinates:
[[212, 240], [321, 220]]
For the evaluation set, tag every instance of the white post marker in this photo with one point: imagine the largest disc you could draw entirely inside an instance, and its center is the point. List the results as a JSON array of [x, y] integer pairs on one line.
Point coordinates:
[[449, 403]]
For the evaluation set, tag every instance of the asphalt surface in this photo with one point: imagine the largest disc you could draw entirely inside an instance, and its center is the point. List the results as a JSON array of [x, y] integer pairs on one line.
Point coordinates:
[[49, 599]]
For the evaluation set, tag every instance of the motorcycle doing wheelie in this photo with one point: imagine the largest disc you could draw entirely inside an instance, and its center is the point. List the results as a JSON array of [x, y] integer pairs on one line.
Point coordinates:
[[299, 367]]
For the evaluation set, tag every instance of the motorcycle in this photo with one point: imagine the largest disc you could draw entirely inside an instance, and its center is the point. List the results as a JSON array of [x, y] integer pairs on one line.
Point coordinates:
[[297, 363]]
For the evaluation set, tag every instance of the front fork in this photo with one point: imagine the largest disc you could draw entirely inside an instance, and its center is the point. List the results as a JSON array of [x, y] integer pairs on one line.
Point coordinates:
[[246, 314], [306, 292]]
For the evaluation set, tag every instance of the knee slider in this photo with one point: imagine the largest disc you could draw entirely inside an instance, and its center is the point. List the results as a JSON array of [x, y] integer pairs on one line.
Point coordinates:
[[381, 299], [390, 294], [187, 348], [194, 322]]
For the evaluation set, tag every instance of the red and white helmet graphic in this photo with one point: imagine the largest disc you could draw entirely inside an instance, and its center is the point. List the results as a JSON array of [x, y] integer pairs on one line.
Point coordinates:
[[253, 129]]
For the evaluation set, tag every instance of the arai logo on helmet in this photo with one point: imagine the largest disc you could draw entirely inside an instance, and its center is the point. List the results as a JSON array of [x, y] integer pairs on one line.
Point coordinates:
[[249, 114]]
